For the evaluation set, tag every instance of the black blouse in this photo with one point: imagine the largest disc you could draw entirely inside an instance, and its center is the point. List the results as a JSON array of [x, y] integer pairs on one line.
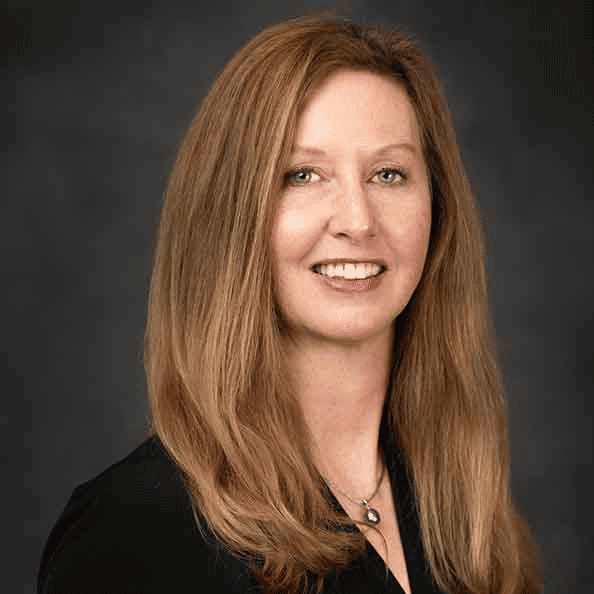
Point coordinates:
[[132, 530]]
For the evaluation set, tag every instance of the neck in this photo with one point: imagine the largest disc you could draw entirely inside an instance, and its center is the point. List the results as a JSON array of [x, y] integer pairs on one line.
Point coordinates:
[[342, 390]]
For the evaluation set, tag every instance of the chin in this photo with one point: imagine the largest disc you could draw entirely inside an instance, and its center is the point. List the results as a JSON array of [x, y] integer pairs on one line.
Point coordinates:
[[349, 333]]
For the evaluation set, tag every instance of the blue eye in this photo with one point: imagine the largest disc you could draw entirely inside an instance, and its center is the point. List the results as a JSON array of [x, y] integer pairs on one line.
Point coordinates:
[[395, 172], [302, 176], [292, 175]]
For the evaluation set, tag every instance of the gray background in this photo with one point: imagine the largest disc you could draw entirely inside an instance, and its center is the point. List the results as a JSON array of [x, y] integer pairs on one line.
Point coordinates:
[[97, 99]]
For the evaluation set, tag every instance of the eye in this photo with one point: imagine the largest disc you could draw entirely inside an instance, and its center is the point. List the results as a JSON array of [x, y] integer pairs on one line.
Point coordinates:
[[302, 176], [394, 176], [299, 177]]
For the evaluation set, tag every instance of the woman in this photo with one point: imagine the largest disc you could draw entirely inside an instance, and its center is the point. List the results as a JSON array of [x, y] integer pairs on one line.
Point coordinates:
[[326, 401]]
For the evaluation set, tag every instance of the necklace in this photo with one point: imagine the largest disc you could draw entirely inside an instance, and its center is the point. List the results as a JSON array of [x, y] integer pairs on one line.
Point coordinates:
[[370, 516]]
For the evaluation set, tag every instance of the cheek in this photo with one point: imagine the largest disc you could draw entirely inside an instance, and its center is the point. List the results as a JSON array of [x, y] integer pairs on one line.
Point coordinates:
[[294, 234], [412, 235], [420, 238]]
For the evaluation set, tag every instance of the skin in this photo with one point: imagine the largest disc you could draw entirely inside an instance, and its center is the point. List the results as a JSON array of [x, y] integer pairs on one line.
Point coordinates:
[[340, 344]]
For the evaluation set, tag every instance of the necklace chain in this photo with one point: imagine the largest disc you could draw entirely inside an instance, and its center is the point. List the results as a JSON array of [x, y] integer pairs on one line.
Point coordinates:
[[371, 515]]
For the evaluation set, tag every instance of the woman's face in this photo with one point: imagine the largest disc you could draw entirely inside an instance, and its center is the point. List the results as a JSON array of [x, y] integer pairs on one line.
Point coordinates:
[[356, 192]]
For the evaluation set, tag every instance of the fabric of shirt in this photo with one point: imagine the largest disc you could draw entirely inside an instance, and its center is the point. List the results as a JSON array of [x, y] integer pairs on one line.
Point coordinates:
[[132, 529]]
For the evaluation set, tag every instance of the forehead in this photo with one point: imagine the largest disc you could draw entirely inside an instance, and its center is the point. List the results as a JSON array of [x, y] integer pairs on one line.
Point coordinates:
[[357, 106]]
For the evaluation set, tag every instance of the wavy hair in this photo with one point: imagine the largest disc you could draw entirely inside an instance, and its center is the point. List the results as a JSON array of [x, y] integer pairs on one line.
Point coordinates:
[[217, 381]]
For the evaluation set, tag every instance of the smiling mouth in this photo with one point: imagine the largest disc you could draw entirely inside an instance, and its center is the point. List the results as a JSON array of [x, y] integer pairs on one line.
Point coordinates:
[[349, 271]]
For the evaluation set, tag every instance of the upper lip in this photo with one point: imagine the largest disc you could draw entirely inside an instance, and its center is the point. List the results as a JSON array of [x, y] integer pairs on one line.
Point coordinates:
[[362, 260]]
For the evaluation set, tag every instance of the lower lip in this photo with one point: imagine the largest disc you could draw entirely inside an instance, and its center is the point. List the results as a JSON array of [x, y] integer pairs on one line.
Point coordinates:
[[358, 285]]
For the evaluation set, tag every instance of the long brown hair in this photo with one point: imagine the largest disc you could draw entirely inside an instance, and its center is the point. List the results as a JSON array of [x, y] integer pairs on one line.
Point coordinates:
[[216, 375]]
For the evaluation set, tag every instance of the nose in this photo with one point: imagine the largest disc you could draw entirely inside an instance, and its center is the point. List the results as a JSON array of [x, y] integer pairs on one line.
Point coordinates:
[[353, 213]]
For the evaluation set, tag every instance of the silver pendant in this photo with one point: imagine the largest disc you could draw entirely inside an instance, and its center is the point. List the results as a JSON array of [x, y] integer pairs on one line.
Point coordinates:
[[371, 515]]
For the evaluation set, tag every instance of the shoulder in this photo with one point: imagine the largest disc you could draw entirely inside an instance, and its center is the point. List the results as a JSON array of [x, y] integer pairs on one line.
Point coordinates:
[[132, 529]]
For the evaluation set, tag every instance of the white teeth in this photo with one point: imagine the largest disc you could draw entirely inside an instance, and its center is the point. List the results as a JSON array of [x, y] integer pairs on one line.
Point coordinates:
[[349, 271]]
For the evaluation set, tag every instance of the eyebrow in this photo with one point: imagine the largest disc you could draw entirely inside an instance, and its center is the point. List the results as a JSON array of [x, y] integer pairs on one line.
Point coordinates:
[[316, 152]]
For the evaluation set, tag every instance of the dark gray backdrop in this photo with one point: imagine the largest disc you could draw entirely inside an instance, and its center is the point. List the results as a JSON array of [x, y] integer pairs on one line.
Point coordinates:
[[97, 99]]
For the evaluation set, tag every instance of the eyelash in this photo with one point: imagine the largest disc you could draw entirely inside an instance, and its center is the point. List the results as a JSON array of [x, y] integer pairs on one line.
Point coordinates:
[[400, 172]]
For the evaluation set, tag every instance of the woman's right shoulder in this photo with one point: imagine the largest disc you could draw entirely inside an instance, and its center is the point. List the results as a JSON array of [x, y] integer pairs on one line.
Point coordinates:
[[132, 529]]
